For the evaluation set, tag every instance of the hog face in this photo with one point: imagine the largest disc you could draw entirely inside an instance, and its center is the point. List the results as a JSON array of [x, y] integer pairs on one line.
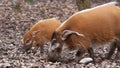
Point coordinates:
[[29, 40], [64, 38]]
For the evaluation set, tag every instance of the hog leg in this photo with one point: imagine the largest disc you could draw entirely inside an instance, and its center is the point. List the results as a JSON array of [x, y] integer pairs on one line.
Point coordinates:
[[112, 49], [91, 52], [118, 50]]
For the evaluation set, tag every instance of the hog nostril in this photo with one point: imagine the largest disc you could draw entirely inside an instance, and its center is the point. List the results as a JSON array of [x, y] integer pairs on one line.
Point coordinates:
[[25, 48]]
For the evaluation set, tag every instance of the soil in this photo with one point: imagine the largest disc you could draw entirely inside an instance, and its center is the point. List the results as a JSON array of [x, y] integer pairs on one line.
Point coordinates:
[[17, 16]]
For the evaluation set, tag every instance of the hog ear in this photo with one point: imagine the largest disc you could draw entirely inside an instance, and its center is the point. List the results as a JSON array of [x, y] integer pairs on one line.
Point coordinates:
[[68, 33], [35, 32]]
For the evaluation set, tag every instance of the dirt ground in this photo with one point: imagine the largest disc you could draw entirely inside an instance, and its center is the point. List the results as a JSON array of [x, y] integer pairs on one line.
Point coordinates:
[[17, 17]]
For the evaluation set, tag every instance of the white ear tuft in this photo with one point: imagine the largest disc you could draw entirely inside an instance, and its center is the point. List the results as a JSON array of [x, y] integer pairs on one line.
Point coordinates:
[[80, 34], [67, 33]]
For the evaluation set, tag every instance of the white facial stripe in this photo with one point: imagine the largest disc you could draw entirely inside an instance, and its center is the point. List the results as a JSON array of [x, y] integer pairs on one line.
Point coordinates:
[[28, 43], [34, 43], [54, 46]]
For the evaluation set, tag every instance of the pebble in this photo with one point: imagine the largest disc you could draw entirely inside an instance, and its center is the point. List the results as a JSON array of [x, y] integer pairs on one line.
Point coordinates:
[[4, 65], [0, 41], [85, 60], [50, 66]]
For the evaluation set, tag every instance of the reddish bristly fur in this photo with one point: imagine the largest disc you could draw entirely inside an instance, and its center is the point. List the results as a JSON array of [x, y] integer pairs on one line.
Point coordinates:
[[40, 33], [83, 29]]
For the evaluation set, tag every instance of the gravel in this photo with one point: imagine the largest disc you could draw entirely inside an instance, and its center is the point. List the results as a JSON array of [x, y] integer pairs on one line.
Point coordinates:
[[17, 16]]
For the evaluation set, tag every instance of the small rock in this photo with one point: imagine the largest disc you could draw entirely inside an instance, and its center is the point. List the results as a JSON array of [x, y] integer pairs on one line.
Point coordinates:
[[50, 63], [79, 66], [57, 63], [11, 45], [0, 41], [33, 66], [113, 65], [117, 67], [107, 66], [5, 65], [85, 60], [50, 66], [104, 64], [33, 48], [90, 65]]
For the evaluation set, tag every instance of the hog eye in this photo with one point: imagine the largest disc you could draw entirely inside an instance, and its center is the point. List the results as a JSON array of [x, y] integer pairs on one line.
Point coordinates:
[[28, 42]]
